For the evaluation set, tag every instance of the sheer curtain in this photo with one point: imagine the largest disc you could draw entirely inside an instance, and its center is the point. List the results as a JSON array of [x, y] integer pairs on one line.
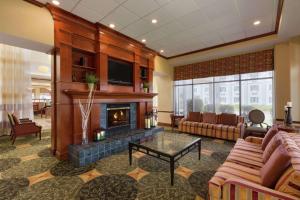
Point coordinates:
[[15, 85]]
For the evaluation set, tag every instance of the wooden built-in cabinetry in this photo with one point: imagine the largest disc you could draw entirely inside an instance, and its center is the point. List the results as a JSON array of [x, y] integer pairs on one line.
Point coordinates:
[[83, 47], [82, 63]]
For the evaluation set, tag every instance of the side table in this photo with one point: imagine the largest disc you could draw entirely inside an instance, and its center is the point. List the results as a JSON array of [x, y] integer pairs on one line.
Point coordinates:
[[289, 129]]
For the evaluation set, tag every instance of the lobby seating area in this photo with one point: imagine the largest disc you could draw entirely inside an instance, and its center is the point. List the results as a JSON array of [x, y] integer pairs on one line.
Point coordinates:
[[149, 100], [265, 168], [224, 126]]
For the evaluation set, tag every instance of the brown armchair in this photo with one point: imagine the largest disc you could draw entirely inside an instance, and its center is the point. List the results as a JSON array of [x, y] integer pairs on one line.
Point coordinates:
[[175, 119], [22, 127]]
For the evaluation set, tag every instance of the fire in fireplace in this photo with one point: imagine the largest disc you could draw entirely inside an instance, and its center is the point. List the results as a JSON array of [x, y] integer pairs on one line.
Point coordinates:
[[118, 115]]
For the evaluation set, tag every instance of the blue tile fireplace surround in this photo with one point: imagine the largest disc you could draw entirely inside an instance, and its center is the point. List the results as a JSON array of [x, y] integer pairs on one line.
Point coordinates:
[[116, 140]]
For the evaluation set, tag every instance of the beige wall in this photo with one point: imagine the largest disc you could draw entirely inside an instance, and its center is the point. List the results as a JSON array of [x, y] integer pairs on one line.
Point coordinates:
[[26, 25], [163, 85], [295, 76], [287, 77], [282, 91]]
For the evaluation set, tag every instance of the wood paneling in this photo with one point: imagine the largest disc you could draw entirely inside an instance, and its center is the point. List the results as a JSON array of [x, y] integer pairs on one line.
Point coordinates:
[[73, 33]]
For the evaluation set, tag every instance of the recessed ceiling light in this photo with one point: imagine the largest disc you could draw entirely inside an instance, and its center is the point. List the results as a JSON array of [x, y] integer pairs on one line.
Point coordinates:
[[131, 45], [161, 51], [112, 26], [143, 40], [43, 69], [256, 23], [154, 21], [55, 2]]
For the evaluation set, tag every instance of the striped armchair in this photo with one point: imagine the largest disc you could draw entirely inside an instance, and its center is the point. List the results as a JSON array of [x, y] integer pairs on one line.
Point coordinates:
[[240, 176], [224, 126]]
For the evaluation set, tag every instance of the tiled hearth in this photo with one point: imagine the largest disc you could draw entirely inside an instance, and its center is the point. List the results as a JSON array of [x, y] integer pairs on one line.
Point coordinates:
[[82, 155]]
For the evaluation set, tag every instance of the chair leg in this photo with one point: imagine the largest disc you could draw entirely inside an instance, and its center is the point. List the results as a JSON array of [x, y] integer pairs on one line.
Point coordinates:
[[40, 135], [14, 139]]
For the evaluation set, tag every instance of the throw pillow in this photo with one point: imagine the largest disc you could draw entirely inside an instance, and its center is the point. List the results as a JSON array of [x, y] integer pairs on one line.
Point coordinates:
[[194, 117], [210, 118], [228, 119], [272, 145], [279, 161], [270, 134]]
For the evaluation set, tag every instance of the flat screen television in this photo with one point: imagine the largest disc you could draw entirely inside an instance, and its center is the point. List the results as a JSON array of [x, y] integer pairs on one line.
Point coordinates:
[[120, 72]]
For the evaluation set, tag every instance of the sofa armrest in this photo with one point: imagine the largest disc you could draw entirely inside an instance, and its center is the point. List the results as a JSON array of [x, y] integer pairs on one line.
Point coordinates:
[[234, 186], [182, 120], [180, 125], [255, 140], [241, 127]]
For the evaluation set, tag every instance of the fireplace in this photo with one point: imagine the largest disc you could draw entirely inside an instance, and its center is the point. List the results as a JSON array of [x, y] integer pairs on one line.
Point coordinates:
[[118, 115]]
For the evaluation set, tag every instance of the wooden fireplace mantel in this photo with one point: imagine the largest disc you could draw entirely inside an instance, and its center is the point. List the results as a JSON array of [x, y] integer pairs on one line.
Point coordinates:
[[111, 96]]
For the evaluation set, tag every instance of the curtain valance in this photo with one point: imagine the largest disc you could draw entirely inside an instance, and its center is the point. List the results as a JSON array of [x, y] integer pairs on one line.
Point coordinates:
[[246, 63]]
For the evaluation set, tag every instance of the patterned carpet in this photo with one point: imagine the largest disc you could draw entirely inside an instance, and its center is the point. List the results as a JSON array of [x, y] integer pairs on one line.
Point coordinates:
[[28, 171]]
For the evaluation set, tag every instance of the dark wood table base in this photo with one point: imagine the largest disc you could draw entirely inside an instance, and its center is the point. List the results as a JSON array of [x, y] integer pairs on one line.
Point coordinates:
[[163, 156]]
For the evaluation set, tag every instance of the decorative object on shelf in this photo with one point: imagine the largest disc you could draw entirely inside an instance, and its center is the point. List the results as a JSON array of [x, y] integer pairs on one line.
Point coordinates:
[[151, 119], [82, 61], [144, 73], [147, 121], [87, 107], [91, 80], [288, 120], [154, 117], [146, 87], [99, 135]]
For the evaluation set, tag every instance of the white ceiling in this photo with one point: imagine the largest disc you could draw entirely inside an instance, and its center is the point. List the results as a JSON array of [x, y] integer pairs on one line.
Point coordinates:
[[183, 25]]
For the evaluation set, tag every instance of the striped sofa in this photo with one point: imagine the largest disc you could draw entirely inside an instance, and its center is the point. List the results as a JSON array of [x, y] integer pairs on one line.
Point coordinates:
[[240, 176], [224, 126]]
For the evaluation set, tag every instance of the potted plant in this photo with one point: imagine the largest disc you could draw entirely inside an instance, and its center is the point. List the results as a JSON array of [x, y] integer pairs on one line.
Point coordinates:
[[146, 87], [91, 80]]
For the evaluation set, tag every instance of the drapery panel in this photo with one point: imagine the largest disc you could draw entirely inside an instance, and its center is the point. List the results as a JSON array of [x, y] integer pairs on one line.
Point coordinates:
[[246, 63], [15, 85]]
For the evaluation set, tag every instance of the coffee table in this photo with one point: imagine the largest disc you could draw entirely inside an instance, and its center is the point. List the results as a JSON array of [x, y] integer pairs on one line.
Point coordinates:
[[166, 146]]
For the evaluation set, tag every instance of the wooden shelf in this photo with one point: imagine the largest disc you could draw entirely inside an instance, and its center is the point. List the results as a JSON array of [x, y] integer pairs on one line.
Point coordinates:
[[75, 94], [82, 64], [84, 67]]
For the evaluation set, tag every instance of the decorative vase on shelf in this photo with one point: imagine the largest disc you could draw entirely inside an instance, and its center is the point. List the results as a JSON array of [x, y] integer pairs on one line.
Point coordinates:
[[85, 139], [91, 86], [288, 114], [86, 108]]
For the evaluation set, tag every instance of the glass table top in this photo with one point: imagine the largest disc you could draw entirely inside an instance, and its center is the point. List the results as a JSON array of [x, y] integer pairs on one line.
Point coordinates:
[[169, 143]]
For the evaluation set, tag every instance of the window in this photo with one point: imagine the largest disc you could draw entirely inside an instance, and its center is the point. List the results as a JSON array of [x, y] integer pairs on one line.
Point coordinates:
[[254, 88], [224, 99], [203, 98], [254, 100], [183, 96], [237, 94], [262, 99]]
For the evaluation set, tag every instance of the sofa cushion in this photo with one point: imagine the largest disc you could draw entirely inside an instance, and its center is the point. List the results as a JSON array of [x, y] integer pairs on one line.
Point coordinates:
[[275, 167], [194, 117], [227, 119], [270, 134], [210, 118], [272, 145]]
